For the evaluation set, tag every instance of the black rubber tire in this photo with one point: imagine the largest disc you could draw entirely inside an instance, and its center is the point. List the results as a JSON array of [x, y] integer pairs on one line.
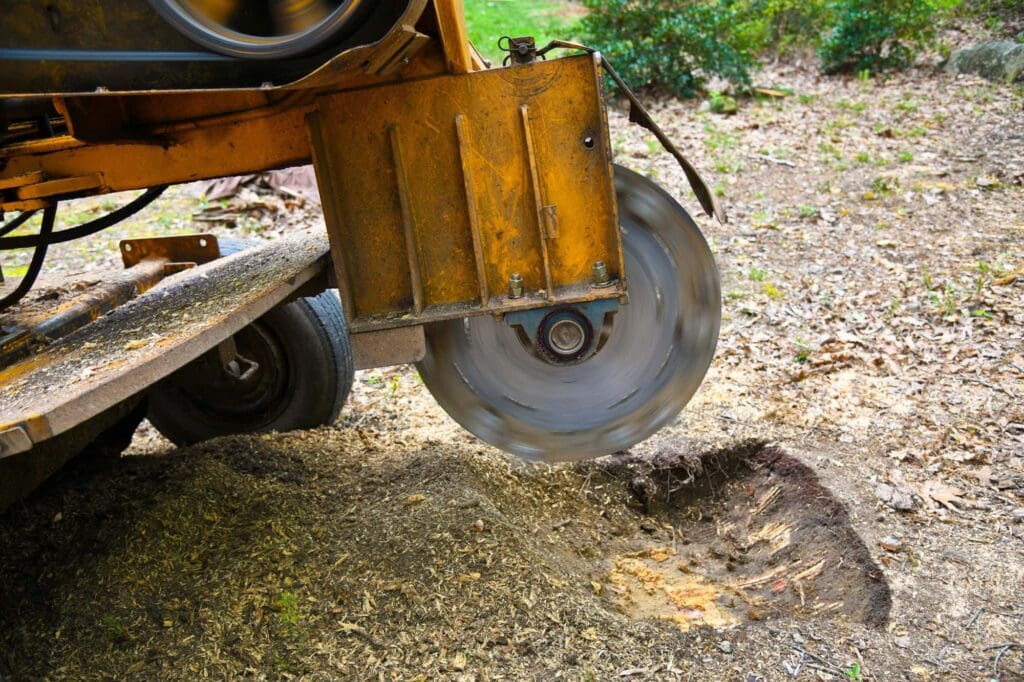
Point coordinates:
[[343, 21], [305, 386]]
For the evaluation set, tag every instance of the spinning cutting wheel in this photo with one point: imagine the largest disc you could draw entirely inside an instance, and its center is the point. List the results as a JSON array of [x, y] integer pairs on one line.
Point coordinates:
[[655, 352], [269, 29]]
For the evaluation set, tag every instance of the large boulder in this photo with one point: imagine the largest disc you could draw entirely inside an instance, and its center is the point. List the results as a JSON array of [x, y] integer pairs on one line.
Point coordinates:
[[996, 60]]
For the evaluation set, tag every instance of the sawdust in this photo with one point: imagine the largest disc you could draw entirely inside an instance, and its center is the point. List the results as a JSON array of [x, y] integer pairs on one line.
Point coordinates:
[[347, 554], [646, 589]]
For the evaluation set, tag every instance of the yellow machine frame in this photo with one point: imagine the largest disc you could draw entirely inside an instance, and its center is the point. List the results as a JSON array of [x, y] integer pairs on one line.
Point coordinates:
[[442, 181]]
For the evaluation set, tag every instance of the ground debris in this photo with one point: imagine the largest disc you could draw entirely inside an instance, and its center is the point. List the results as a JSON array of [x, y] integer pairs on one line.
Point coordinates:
[[283, 549]]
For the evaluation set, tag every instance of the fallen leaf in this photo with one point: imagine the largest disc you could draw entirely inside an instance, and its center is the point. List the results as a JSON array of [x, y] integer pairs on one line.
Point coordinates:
[[984, 476], [936, 491], [352, 627], [413, 499]]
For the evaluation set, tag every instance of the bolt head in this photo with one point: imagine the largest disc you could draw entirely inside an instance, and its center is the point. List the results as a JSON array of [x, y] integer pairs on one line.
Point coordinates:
[[601, 275], [515, 286]]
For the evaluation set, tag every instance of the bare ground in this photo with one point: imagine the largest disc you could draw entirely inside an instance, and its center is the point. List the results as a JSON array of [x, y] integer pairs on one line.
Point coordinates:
[[874, 319]]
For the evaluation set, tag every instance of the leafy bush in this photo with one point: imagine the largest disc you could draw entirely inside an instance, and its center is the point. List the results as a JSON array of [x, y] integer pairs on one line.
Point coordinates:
[[672, 45], [875, 35], [780, 25], [675, 45]]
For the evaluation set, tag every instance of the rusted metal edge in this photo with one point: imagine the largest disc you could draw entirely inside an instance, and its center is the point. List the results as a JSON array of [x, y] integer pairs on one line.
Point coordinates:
[[462, 135], [498, 305], [408, 221], [324, 164], [538, 199], [97, 367]]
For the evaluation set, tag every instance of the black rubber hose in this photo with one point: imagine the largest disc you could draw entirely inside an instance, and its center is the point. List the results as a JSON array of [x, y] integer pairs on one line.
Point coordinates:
[[49, 215], [15, 223], [85, 229]]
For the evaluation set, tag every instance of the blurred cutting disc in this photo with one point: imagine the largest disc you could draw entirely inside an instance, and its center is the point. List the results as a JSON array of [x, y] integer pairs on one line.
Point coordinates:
[[658, 350]]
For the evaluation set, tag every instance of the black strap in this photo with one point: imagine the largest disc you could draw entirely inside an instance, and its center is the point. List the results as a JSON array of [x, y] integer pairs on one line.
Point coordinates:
[[638, 114]]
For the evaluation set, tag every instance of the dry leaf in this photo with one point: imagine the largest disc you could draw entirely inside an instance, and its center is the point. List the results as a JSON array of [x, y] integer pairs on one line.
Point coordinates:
[[936, 491], [413, 499], [984, 476]]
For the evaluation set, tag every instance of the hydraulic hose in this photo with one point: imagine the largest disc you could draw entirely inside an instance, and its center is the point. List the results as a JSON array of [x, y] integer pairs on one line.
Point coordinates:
[[49, 215], [85, 229], [15, 223]]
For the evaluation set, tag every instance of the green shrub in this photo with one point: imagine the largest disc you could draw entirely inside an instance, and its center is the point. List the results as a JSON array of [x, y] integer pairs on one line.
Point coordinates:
[[670, 45], [780, 25], [876, 35]]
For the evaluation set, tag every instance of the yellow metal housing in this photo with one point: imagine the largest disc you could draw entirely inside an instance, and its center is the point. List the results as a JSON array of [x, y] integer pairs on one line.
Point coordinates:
[[438, 191]]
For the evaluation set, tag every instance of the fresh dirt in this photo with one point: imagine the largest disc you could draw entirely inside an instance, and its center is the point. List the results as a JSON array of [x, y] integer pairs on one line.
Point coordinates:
[[874, 318]]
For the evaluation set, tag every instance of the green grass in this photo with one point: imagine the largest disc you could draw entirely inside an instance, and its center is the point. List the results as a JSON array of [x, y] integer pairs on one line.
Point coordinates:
[[489, 20]]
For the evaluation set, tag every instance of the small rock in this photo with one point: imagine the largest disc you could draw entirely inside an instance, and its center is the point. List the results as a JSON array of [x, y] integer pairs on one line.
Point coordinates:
[[725, 646], [891, 544], [898, 499], [798, 638], [1017, 515], [903, 641], [996, 60]]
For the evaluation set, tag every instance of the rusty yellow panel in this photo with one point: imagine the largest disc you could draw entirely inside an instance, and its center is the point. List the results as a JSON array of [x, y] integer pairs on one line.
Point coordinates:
[[440, 189]]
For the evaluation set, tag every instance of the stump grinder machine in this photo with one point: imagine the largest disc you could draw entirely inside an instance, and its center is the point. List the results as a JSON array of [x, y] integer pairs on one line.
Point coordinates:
[[557, 306]]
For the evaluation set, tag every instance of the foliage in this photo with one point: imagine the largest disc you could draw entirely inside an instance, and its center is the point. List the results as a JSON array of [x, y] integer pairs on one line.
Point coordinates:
[[675, 45], [671, 46], [879, 34], [781, 25]]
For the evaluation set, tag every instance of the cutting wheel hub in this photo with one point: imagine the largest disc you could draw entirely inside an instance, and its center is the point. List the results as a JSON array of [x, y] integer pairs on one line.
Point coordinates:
[[649, 359], [565, 333]]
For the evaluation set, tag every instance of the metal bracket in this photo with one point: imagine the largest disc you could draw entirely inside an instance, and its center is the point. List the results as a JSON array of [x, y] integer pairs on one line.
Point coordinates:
[[522, 50], [594, 311], [195, 249], [233, 363]]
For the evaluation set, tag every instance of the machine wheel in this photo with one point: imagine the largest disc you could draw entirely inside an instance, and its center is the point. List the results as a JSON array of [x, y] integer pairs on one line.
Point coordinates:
[[272, 29], [293, 371], [657, 349]]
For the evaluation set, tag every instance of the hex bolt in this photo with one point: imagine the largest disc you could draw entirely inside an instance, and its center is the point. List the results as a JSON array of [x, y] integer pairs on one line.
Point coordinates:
[[601, 276], [515, 286]]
